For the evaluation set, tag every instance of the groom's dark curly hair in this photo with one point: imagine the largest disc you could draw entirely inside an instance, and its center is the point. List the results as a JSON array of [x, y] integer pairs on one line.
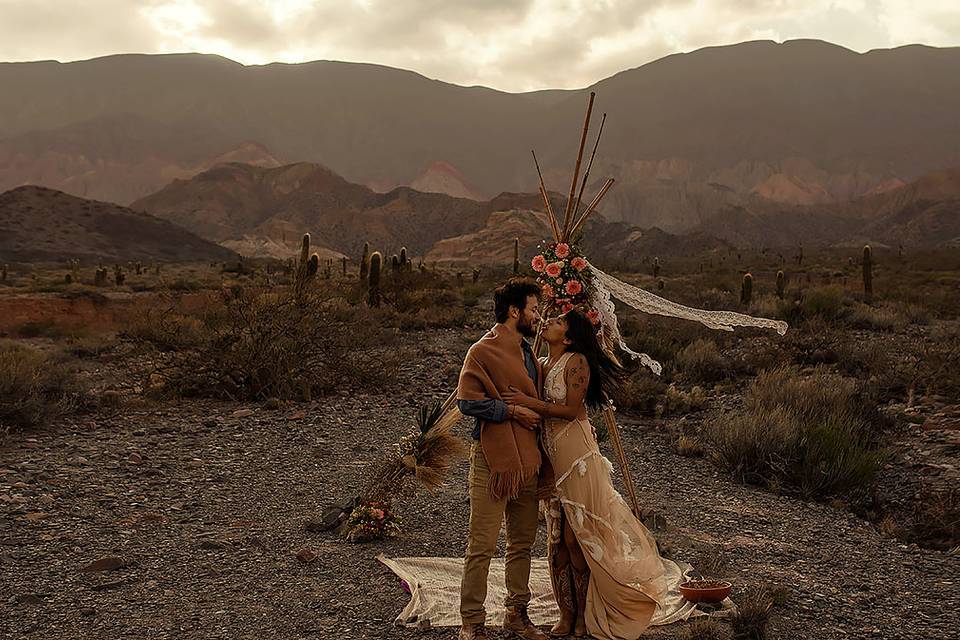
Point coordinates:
[[513, 293]]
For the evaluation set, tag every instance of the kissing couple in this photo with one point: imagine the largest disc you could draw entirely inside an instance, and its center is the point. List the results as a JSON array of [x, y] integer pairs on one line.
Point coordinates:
[[533, 442]]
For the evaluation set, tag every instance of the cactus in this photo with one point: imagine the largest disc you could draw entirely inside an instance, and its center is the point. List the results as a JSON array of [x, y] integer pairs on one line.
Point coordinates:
[[476, 275], [3, 273], [312, 267], [867, 274], [100, 277], [365, 262], [781, 284], [746, 289], [660, 285], [656, 267], [459, 278], [403, 258], [138, 268], [516, 256], [376, 266], [118, 275], [305, 249], [800, 256], [394, 264], [68, 278]]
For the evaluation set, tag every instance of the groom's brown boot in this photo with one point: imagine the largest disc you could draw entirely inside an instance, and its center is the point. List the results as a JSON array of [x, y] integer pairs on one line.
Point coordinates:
[[472, 632], [581, 579], [564, 592], [517, 622]]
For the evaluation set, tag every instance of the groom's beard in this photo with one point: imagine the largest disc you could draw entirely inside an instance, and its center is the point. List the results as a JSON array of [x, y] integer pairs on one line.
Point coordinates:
[[526, 329]]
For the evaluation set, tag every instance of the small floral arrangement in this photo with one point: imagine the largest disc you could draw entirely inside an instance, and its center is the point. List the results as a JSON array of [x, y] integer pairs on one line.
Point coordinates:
[[562, 271], [372, 520]]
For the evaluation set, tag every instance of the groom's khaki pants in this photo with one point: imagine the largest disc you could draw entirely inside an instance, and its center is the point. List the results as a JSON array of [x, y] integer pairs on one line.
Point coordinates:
[[486, 517]]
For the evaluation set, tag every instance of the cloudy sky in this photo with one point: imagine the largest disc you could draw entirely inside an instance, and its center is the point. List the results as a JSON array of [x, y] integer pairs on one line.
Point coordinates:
[[514, 45]]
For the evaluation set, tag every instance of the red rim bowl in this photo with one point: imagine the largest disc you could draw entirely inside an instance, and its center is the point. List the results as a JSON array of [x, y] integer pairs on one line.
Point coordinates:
[[694, 593]]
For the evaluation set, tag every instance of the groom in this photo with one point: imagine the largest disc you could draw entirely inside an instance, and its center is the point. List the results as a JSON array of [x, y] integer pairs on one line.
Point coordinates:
[[506, 465]]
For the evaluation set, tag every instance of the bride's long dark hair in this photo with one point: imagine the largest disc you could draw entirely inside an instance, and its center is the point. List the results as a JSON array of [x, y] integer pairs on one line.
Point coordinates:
[[605, 374]]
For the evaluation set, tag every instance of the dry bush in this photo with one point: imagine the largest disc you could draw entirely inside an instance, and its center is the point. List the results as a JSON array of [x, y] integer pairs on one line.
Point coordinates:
[[939, 372], [641, 393], [701, 361], [258, 344], [688, 446], [678, 402], [818, 435], [862, 316], [705, 628], [935, 521], [753, 614], [33, 388], [823, 302]]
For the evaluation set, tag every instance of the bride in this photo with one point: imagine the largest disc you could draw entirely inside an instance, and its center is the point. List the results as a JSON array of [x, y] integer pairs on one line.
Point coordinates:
[[617, 575]]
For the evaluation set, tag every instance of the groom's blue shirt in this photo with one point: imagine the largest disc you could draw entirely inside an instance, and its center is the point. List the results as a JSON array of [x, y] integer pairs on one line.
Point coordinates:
[[493, 409]]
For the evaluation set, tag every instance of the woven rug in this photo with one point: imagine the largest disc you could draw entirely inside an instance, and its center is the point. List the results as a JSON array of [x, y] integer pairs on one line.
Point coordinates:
[[435, 593]]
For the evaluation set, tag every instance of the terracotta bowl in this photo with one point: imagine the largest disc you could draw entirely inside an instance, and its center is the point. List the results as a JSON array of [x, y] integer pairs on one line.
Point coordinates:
[[705, 590]]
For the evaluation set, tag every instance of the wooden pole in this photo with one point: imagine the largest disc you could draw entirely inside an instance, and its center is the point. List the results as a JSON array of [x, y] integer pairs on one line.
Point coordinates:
[[593, 205], [546, 200], [586, 174], [611, 422], [568, 212]]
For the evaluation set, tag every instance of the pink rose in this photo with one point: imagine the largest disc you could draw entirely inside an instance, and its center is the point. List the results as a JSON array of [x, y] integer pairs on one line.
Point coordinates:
[[567, 307], [578, 263], [548, 291], [562, 250], [574, 287], [559, 280], [553, 269], [594, 316], [539, 263]]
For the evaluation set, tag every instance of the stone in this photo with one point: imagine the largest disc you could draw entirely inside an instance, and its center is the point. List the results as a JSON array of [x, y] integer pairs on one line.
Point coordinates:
[[134, 458], [106, 563], [242, 413], [306, 555]]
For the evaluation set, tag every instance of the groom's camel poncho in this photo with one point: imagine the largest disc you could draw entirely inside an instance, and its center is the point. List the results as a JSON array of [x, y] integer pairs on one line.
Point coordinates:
[[493, 364]]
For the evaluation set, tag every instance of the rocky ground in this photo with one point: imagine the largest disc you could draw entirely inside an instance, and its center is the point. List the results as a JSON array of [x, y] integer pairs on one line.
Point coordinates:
[[186, 520]]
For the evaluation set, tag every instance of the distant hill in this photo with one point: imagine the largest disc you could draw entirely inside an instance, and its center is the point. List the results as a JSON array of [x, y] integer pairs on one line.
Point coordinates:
[[39, 224], [240, 205], [803, 123]]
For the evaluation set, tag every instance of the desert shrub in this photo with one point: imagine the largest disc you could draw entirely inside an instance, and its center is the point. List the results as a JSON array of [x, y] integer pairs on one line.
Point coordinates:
[[939, 362], [701, 361], [259, 344], [33, 388], [753, 613], [688, 446], [678, 402], [935, 518], [817, 435], [863, 316], [823, 302], [641, 393], [705, 628]]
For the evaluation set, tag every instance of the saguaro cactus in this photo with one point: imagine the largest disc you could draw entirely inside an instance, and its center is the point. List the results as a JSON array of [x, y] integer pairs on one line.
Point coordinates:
[[781, 284], [118, 275], [376, 266], [365, 262], [656, 267], [344, 266], [3, 273], [403, 258], [867, 274], [516, 256], [746, 289], [394, 264], [476, 275]]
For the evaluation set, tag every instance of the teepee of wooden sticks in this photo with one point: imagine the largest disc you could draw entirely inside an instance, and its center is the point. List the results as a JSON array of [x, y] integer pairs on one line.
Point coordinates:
[[573, 221]]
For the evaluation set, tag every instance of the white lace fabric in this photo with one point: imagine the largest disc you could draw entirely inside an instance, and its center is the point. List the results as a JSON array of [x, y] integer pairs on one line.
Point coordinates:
[[607, 287]]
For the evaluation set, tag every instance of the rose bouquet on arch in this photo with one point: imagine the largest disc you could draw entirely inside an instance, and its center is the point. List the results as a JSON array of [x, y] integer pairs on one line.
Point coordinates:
[[564, 275]]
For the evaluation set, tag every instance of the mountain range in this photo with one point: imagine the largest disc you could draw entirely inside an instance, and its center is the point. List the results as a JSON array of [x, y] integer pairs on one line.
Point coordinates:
[[689, 137]]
